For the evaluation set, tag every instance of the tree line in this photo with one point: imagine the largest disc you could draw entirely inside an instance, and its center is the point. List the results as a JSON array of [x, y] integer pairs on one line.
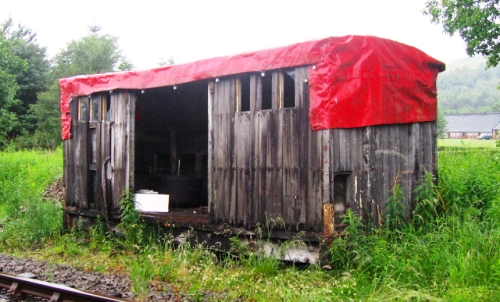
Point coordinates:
[[469, 89], [29, 87], [29, 90]]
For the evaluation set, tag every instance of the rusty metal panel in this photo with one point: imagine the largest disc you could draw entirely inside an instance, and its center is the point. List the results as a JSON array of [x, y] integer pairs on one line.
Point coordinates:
[[328, 219]]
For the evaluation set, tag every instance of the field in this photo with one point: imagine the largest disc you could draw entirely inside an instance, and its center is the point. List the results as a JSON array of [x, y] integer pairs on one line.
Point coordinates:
[[448, 251], [466, 143]]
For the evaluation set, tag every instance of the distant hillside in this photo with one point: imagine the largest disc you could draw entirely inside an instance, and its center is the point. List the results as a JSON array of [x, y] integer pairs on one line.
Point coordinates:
[[467, 87], [471, 63]]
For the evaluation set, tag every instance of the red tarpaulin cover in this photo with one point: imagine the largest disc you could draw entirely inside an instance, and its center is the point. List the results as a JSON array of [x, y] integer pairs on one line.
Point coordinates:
[[354, 81]]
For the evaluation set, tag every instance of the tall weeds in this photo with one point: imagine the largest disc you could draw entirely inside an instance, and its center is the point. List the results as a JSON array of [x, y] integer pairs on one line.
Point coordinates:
[[450, 246], [26, 218]]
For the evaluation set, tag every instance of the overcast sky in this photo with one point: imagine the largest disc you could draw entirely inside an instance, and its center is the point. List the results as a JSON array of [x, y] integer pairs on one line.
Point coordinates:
[[150, 31]]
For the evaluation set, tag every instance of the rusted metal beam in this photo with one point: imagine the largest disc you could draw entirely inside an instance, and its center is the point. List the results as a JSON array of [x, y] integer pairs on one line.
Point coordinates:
[[17, 286], [328, 220]]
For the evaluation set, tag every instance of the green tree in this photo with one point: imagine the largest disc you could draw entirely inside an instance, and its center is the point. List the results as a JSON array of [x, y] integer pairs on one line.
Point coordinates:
[[468, 89], [476, 21], [94, 53], [10, 67], [441, 125], [91, 54], [33, 79]]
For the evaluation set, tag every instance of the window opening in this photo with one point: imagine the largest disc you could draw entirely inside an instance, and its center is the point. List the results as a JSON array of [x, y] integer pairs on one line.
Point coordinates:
[[82, 109], [94, 109], [106, 108], [243, 93], [288, 85], [267, 91]]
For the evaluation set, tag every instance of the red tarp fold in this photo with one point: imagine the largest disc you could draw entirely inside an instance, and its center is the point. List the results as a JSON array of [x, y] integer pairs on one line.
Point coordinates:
[[354, 81]]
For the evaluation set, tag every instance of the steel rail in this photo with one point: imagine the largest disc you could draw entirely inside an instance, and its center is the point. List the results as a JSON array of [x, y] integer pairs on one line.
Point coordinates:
[[17, 286]]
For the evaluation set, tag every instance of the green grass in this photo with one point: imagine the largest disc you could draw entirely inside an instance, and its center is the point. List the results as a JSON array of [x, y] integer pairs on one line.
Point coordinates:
[[466, 143], [449, 251], [26, 218]]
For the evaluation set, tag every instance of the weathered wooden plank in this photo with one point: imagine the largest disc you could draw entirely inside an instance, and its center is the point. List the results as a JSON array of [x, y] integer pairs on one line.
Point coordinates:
[[369, 209], [315, 180], [224, 160], [379, 163], [326, 171], [214, 136], [230, 124], [216, 189], [81, 155], [218, 169], [413, 146], [243, 165], [391, 164], [429, 143], [291, 167], [250, 206], [343, 149], [334, 154], [105, 168], [434, 147], [407, 180], [119, 144], [225, 189], [274, 180], [355, 168], [211, 151], [131, 140], [262, 165], [81, 171], [302, 104], [229, 112], [262, 141], [223, 125], [69, 158], [98, 199], [68, 173]]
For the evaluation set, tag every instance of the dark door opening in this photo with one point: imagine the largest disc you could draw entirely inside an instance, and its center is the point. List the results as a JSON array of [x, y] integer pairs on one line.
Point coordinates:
[[171, 143], [340, 196]]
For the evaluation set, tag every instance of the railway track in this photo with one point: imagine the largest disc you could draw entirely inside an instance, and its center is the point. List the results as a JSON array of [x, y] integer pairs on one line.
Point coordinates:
[[18, 286]]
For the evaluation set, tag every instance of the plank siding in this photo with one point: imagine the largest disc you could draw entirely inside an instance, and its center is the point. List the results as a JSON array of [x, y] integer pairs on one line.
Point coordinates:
[[262, 164], [257, 169], [378, 156]]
